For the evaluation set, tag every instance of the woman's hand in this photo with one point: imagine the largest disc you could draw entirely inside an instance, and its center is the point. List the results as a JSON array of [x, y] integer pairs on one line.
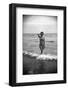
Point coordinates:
[[39, 35]]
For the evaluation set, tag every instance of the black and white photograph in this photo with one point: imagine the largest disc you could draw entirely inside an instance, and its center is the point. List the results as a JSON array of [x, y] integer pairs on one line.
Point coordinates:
[[39, 44]]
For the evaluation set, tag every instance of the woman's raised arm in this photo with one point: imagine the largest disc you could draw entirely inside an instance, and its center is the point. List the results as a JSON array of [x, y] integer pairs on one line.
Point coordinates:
[[39, 35]]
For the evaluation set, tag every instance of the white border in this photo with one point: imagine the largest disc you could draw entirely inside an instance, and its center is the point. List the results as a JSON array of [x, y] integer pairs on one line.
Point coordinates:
[[44, 77]]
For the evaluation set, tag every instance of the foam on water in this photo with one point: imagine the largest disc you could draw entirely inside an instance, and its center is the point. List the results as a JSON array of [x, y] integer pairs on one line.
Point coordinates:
[[46, 57], [41, 56]]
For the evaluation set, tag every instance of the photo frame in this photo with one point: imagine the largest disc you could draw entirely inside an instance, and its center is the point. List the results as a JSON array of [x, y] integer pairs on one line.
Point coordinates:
[[33, 60]]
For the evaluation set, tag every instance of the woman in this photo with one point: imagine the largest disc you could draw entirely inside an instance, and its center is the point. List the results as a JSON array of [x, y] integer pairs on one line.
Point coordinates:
[[42, 41]]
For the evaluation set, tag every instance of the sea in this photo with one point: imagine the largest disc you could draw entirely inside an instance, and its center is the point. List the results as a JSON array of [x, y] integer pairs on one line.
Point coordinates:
[[31, 43]]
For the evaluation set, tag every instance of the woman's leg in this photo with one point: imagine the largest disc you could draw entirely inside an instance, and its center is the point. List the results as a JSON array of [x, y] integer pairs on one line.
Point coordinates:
[[41, 50]]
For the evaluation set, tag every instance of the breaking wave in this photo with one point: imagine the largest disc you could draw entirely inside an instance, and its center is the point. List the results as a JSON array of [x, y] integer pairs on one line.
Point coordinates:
[[41, 56]]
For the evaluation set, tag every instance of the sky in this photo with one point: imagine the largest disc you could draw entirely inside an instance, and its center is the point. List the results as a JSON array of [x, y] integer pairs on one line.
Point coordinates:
[[38, 23]]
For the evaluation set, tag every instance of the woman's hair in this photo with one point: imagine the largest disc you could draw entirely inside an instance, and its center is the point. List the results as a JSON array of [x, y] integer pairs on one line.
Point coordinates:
[[41, 33]]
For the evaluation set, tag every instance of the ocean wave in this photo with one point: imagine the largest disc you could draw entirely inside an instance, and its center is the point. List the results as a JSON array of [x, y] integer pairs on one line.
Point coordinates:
[[41, 56]]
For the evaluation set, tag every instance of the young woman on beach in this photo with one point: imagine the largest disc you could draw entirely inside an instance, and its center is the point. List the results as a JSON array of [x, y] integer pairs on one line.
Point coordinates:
[[41, 41]]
